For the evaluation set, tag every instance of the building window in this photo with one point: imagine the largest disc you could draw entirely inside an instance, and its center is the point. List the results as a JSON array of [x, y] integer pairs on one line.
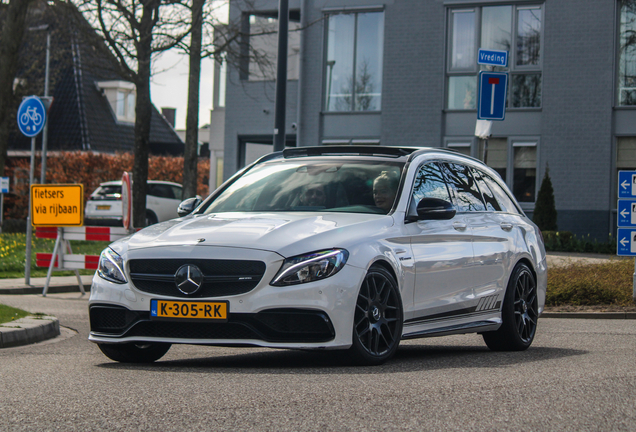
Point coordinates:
[[494, 153], [627, 53], [353, 67], [524, 179], [516, 29], [460, 147], [261, 56], [625, 155], [121, 96]]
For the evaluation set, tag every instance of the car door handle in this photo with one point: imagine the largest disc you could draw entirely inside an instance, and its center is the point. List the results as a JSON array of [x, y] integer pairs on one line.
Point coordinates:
[[459, 226], [506, 226]]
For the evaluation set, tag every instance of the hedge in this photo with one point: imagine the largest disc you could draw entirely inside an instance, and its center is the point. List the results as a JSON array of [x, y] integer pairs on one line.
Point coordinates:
[[90, 169]]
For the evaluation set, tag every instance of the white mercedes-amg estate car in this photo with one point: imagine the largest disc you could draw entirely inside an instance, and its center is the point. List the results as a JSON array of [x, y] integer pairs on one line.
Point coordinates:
[[344, 248]]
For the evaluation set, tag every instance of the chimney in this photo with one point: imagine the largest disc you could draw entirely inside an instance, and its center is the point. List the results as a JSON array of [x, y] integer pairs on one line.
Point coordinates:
[[170, 114]]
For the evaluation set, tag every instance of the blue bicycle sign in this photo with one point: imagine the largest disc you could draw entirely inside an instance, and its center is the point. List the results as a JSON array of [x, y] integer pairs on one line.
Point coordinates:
[[31, 116]]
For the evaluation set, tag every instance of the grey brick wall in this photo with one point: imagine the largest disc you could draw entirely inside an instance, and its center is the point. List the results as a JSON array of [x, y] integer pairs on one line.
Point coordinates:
[[578, 91], [574, 126]]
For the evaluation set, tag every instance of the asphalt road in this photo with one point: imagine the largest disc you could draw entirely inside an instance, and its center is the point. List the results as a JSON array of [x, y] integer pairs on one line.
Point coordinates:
[[578, 375]]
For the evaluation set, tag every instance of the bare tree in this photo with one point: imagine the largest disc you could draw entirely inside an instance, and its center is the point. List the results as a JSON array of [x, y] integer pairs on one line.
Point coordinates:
[[192, 118], [10, 40], [134, 31]]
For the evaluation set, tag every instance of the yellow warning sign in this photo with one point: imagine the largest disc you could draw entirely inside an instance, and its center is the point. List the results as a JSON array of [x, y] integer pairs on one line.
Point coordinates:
[[57, 205]]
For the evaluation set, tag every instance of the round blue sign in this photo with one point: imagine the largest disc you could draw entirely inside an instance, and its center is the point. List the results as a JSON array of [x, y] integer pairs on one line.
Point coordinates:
[[31, 116]]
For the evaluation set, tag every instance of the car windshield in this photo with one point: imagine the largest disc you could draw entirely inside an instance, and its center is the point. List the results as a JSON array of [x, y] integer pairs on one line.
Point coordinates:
[[107, 192], [354, 186]]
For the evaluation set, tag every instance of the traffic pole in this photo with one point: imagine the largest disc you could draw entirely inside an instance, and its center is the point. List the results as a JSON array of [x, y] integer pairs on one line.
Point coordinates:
[[281, 76], [29, 233]]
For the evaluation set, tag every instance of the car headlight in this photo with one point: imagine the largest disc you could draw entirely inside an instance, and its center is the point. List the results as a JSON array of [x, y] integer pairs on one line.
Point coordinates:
[[111, 266], [310, 267]]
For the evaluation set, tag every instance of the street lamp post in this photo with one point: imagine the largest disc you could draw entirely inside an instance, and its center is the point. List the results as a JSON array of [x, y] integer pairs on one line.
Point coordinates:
[[281, 76], [45, 132]]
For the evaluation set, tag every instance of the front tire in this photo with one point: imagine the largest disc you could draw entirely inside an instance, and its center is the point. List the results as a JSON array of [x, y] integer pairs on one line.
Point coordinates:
[[519, 313], [378, 319], [135, 352]]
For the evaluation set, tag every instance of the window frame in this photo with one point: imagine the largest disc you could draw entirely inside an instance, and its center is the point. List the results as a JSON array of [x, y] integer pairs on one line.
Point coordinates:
[[617, 89], [512, 69], [326, 12]]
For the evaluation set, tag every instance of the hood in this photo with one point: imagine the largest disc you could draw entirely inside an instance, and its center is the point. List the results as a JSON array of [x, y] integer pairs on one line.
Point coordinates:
[[276, 232]]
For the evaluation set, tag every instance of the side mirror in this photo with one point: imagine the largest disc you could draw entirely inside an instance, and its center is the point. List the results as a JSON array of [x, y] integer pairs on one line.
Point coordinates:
[[435, 209], [187, 206]]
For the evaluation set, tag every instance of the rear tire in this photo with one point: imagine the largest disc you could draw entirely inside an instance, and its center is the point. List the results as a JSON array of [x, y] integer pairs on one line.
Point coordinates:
[[135, 352], [519, 313], [378, 319]]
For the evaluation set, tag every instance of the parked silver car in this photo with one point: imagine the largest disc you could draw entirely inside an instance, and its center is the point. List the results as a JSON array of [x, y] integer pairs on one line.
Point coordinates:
[[350, 248], [104, 207]]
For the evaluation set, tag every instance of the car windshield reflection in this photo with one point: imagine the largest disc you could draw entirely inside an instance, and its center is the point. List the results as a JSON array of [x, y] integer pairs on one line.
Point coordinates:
[[319, 185]]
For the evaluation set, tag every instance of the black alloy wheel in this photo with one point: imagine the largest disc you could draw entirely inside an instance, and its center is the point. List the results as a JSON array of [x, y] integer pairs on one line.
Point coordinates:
[[520, 313], [141, 352], [378, 318]]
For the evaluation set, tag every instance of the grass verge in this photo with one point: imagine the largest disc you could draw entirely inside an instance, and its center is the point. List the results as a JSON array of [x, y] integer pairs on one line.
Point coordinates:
[[8, 313], [13, 252], [609, 284]]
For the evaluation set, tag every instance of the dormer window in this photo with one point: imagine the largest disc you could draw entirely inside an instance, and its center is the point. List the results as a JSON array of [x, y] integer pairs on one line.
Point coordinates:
[[121, 96]]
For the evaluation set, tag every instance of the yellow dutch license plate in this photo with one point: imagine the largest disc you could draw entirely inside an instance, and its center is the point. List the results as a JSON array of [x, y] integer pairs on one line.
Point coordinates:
[[189, 310], [103, 207]]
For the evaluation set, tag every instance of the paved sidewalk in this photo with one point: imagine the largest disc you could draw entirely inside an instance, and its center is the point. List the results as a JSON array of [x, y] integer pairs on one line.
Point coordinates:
[[59, 284]]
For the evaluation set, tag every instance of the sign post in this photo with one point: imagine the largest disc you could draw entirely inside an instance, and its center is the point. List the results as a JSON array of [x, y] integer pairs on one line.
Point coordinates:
[[31, 119], [58, 205], [4, 188], [626, 238], [491, 94]]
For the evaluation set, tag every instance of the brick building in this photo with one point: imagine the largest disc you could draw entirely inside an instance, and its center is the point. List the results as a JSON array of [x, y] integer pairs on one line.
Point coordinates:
[[396, 72]]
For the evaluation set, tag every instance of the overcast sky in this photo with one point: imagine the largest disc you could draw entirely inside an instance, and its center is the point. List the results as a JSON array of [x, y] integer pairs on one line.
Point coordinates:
[[169, 86]]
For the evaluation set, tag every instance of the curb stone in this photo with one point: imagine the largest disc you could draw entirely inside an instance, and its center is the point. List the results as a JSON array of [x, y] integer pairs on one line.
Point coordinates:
[[590, 315], [28, 330]]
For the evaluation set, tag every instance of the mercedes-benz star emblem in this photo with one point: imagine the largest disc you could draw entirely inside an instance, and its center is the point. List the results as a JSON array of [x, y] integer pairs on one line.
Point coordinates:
[[188, 278]]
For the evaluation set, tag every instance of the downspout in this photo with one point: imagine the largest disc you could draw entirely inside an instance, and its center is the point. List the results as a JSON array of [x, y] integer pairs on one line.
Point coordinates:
[[77, 70]]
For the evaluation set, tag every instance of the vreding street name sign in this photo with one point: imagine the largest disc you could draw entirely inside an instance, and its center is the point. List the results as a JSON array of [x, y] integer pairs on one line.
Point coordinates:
[[57, 205], [492, 57]]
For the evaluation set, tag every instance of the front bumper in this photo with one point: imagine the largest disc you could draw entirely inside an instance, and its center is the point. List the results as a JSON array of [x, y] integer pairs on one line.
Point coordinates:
[[310, 316]]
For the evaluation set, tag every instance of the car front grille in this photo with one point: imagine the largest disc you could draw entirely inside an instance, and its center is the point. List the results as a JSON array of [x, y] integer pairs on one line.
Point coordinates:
[[272, 325], [221, 277]]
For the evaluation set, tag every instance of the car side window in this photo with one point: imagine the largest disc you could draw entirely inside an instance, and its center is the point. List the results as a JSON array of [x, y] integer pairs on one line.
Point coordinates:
[[178, 192], [486, 193], [461, 182], [504, 200], [429, 183], [161, 191]]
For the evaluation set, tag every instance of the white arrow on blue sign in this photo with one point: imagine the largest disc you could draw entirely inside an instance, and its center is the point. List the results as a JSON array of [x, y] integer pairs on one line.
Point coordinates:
[[491, 98], [627, 184], [31, 116], [627, 213], [626, 245]]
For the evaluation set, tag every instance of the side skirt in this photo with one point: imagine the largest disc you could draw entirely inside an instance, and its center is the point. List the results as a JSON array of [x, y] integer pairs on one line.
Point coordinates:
[[472, 327]]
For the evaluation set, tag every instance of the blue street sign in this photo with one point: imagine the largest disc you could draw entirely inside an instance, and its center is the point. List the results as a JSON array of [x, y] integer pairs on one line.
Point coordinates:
[[626, 245], [31, 116], [627, 184], [491, 97], [4, 186], [492, 57], [627, 213]]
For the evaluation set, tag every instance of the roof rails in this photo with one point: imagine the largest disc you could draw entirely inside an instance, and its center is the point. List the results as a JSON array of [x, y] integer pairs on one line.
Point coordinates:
[[348, 150]]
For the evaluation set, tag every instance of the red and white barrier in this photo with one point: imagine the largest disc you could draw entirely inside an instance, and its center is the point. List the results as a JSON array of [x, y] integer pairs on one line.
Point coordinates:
[[71, 262], [63, 258], [83, 233]]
